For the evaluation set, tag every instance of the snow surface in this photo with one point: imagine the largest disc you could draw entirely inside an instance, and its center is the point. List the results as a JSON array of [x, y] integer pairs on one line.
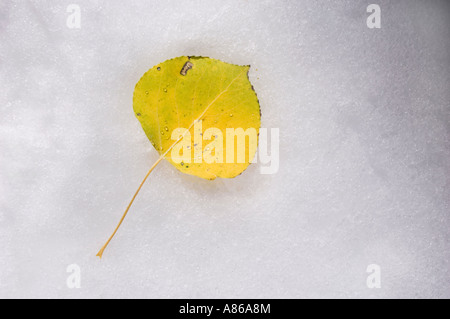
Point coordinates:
[[364, 152]]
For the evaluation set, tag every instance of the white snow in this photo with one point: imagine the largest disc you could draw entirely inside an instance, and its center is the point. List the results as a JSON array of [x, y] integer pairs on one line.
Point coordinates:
[[364, 118]]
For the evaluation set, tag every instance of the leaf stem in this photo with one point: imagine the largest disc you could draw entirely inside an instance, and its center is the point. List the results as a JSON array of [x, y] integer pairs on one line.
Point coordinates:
[[100, 253]]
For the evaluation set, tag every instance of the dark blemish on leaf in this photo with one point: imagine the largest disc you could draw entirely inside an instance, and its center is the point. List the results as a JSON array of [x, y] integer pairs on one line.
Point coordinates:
[[138, 114], [186, 67], [158, 68], [182, 164]]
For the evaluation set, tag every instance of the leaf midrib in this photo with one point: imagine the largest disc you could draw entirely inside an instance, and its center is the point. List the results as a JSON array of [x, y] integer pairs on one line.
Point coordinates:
[[202, 114]]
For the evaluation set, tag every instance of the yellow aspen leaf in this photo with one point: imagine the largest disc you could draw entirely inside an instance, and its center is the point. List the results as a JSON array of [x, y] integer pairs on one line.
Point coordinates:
[[201, 114]]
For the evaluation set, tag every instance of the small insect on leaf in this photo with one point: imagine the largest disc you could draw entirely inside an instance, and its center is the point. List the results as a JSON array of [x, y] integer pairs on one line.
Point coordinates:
[[200, 114], [187, 66]]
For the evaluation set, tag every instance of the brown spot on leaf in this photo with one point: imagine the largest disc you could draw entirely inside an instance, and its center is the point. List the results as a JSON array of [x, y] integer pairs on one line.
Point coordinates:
[[186, 67]]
